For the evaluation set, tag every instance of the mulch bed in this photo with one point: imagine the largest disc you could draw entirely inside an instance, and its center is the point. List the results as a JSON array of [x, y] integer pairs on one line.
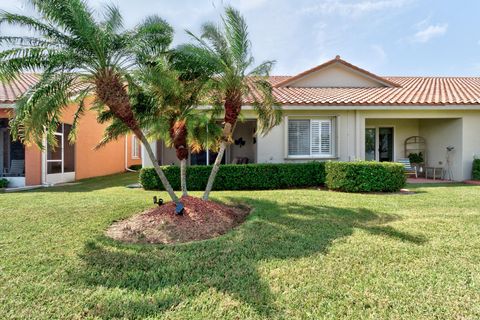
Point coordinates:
[[201, 220], [473, 182]]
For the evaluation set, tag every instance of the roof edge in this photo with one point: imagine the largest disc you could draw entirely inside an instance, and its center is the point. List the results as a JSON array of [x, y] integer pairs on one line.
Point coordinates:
[[337, 59]]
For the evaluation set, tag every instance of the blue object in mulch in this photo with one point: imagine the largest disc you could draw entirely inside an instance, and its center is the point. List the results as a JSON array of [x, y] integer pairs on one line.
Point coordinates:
[[179, 209]]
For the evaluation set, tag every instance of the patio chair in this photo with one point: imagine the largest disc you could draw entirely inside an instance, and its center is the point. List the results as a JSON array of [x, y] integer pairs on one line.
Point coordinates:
[[17, 168], [409, 169]]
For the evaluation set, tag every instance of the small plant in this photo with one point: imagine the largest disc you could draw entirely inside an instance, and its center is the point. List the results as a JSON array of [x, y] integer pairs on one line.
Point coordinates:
[[476, 169], [3, 183], [416, 157]]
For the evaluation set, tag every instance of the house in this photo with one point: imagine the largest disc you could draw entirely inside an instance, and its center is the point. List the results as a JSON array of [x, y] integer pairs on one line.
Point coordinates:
[[27, 165], [338, 111]]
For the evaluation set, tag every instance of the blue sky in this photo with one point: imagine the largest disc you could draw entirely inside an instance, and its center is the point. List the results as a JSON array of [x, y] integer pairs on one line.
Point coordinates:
[[386, 37]]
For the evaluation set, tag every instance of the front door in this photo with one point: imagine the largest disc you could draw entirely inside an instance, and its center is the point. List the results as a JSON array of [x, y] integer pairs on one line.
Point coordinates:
[[60, 159], [385, 144], [379, 144]]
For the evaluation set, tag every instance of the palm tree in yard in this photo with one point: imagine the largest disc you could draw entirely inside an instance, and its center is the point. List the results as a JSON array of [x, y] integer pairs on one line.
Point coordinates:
[[78, 56], [236, 79], [178, 86]]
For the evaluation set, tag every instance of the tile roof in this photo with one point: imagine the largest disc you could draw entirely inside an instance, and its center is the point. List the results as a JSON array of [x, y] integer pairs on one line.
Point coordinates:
[[429, 91], [11, 91], [434, 91]]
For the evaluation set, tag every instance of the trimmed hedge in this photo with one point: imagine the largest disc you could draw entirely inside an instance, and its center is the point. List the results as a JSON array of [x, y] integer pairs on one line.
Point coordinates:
[[476, 169], [241, 176], [365, 176]]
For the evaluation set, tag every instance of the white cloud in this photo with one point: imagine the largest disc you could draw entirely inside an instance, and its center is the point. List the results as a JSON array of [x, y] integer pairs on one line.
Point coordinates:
[[430, 32], [379, 53], [356, 8]]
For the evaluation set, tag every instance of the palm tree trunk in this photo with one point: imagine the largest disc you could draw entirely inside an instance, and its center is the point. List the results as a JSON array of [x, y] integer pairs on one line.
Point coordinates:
[[183, 177], [158, 170], [216, 167], [113, 93]]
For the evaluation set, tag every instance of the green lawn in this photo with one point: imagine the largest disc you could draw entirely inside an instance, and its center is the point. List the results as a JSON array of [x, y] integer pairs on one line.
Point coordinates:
[[301, 254]]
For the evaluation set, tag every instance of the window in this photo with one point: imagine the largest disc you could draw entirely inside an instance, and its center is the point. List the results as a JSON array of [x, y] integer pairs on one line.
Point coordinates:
[[310, 138], [135, 148]]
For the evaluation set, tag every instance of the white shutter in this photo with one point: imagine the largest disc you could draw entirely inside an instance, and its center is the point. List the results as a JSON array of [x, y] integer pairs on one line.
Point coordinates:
[[326, 137], [315, 138], [298, 137]]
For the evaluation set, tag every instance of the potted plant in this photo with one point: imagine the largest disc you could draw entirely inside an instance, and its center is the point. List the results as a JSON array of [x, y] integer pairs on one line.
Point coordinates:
[[417, 160], [3, 184]]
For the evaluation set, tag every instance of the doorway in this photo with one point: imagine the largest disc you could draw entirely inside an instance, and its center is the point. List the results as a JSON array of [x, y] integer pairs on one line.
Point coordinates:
[[379, 144], [60, 158]]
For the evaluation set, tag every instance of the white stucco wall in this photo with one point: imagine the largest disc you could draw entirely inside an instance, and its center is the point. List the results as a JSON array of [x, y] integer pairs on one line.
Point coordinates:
[[440, 133], [471, 141], [270, 148], [145, 158], [440, 127], [338, 76]]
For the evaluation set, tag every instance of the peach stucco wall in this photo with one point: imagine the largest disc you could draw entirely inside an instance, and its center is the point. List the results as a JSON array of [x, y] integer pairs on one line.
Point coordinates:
[[5, 113], [33, 165], [88, 161]]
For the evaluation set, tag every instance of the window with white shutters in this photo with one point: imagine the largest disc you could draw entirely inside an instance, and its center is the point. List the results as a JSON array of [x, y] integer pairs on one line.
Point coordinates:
[[310, 137], [298, 137]]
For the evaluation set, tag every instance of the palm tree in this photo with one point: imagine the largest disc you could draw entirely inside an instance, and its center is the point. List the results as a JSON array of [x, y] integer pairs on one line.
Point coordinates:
[[178, 85], [236, 79], [80, 56]]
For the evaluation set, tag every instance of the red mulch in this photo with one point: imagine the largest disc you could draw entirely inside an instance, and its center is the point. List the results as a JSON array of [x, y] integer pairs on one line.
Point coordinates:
[[474, 182], [201, 220]]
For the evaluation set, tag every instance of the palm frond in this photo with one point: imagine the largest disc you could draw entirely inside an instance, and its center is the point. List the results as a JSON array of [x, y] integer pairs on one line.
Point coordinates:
[[236, 33], [33, 24], [113, 20], [38, 110], [268, 111], [114, 131], [262, 69], [151, 38]]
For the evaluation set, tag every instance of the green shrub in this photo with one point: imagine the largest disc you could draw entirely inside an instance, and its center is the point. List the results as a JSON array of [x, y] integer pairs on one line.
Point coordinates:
[[365, 176], [476, 169], [241, 176], [3, 183]]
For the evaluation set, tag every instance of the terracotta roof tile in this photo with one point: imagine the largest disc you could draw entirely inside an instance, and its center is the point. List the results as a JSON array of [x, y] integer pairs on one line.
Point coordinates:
[[11, 91], [435, 91]]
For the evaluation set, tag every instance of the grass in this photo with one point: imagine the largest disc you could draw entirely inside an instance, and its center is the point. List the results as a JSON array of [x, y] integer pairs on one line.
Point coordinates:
[[301, 254]]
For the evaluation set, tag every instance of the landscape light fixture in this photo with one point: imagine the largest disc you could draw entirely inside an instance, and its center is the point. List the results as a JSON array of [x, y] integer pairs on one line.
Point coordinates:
[[179, 209], [158, 201]]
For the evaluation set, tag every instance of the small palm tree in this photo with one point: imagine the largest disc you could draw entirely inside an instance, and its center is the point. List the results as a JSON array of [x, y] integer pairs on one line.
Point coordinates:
[[178, 85], [80, 56], [236, 79]]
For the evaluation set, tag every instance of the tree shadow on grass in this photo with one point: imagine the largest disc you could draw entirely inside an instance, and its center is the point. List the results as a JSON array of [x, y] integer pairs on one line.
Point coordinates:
[[165, 276]]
